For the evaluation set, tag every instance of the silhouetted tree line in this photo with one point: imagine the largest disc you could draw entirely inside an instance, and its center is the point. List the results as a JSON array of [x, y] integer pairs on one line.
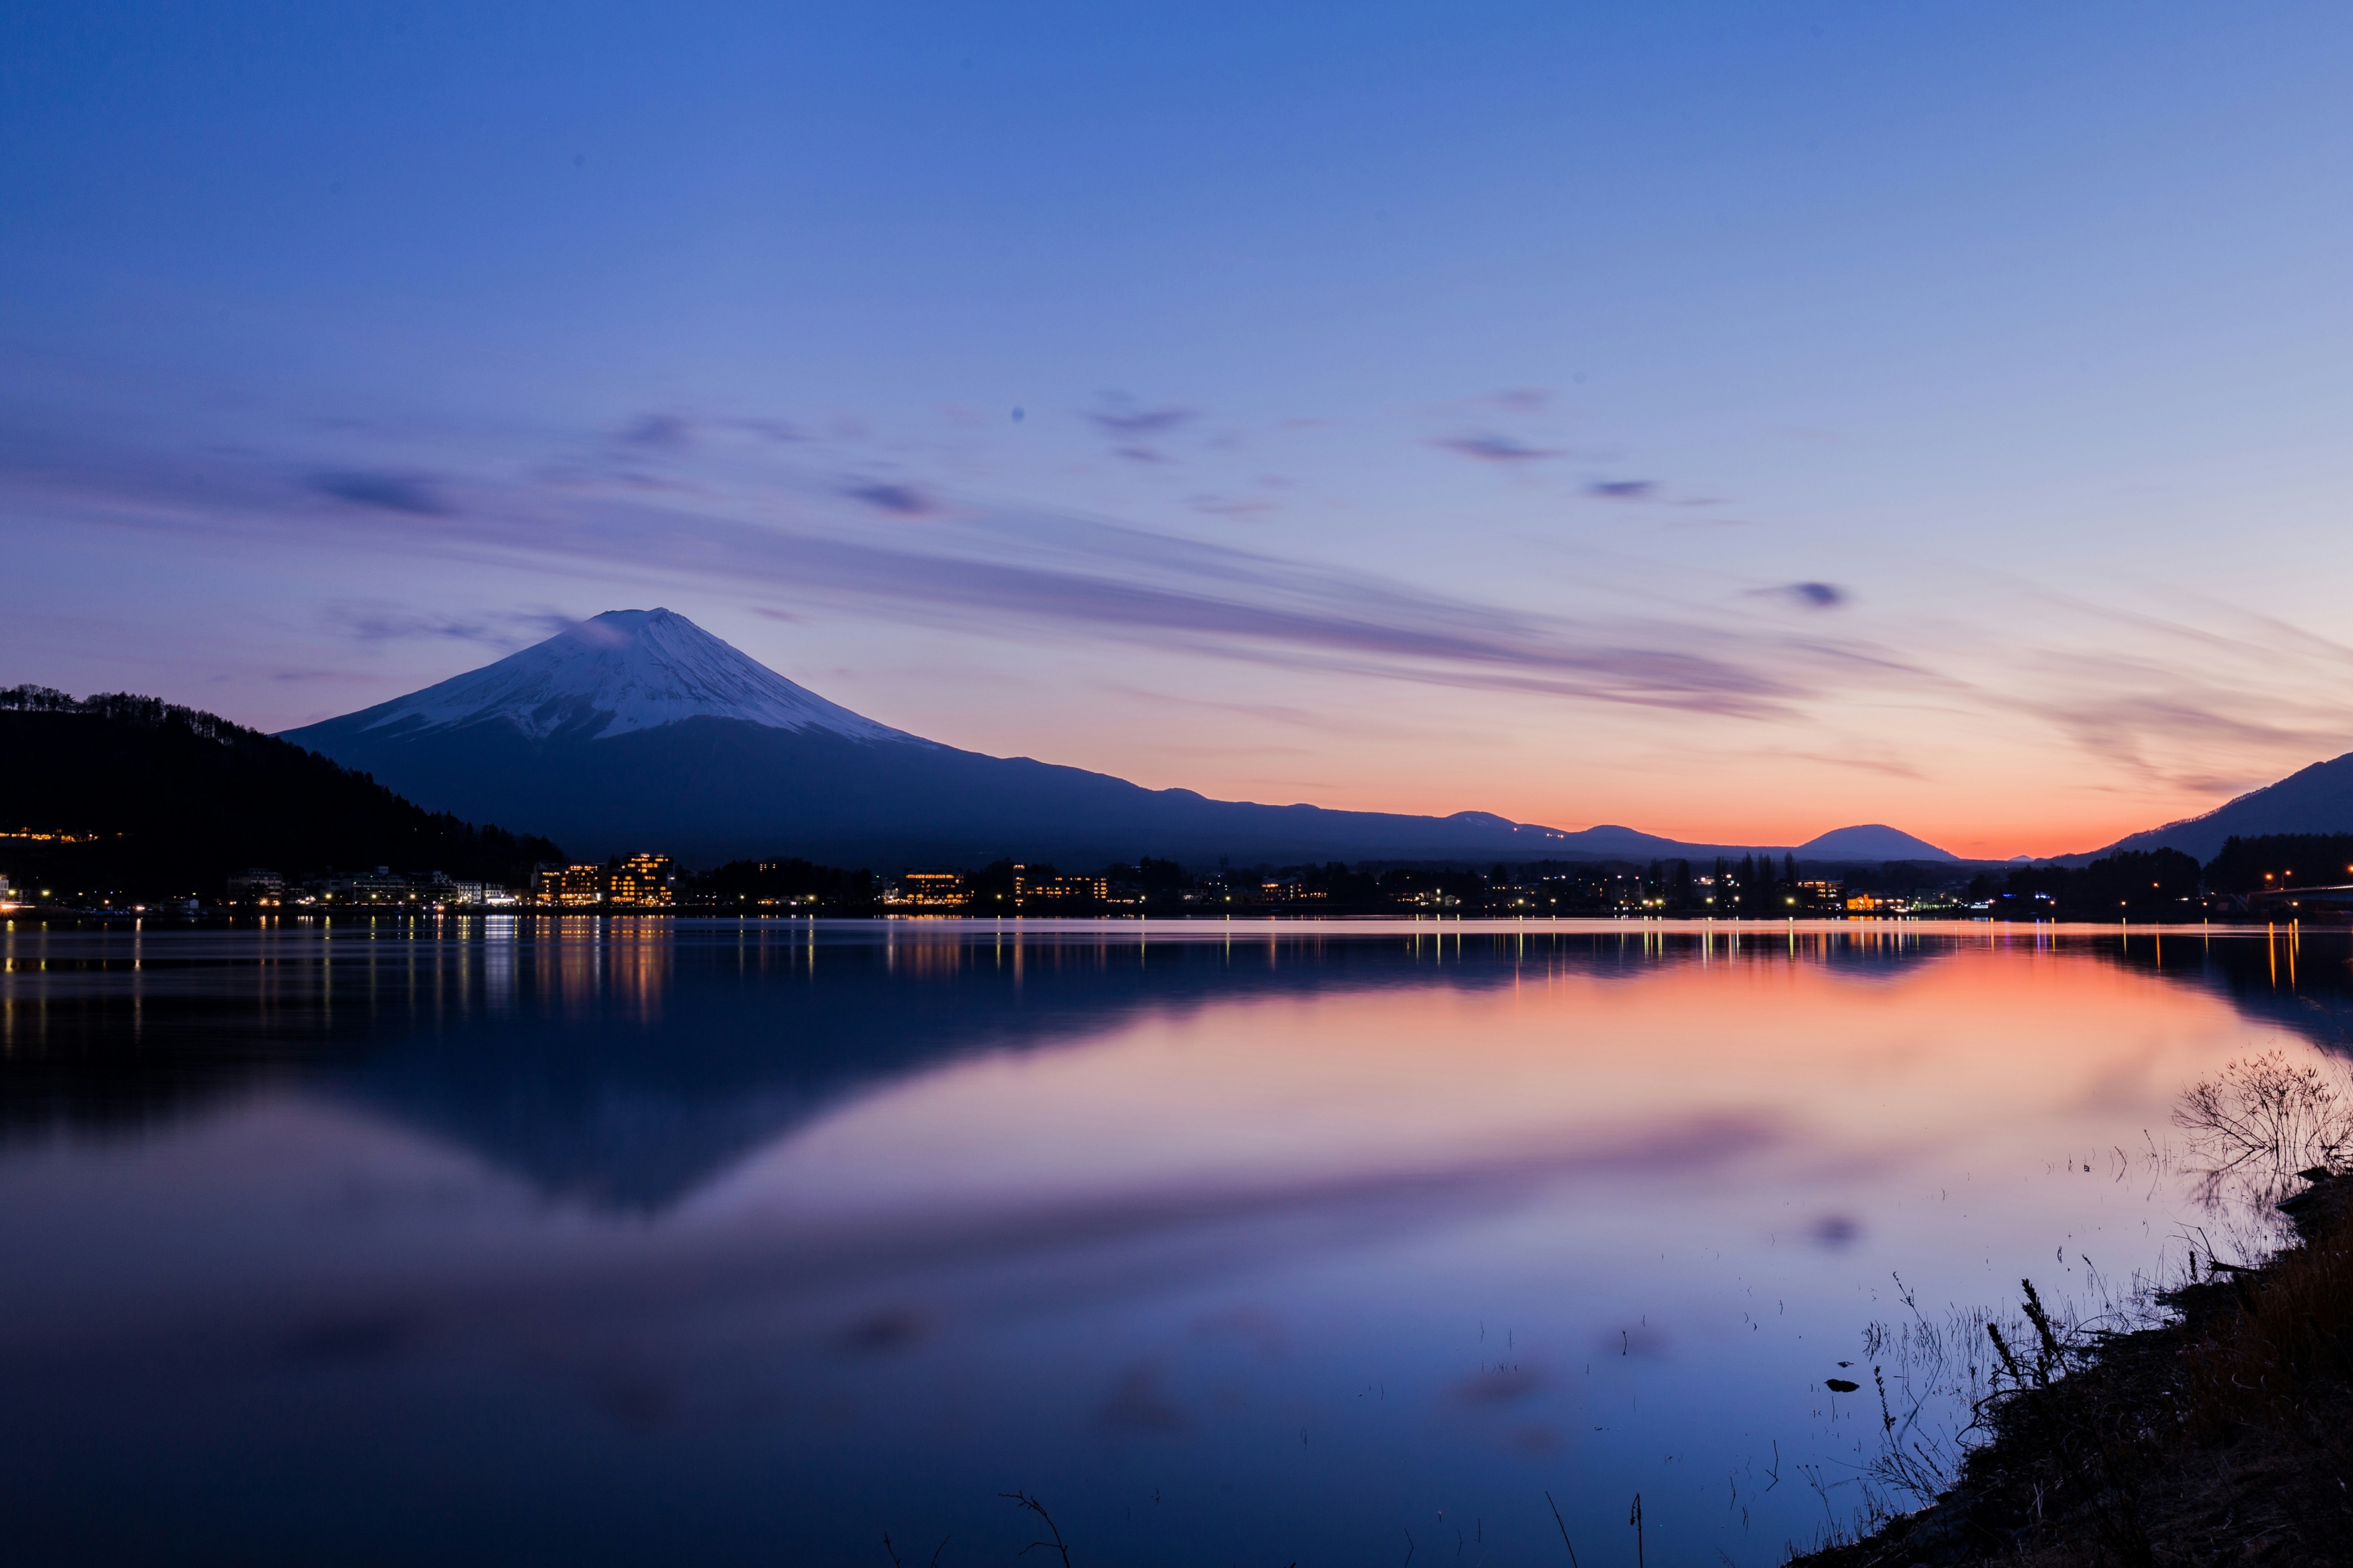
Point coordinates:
[[2148, 883], [1752, 887], [2280, 860], [178, 799], [168, 800], [2154, 883], [2134, 884], [785, 887]]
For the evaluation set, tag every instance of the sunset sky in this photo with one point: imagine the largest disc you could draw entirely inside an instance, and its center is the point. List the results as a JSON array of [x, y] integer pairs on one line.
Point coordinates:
[[1733, 421]]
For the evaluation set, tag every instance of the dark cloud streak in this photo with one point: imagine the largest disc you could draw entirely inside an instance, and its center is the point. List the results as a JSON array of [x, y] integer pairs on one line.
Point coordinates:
[[667, 432], [1043, 572], [1130, 423], [376, 623], [385, 492], [1495, 448], [900, 500], [1156, 589]]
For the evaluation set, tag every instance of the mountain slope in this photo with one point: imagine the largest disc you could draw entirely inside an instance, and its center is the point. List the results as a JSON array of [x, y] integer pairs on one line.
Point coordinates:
[[709, 789], [639, 730], [1872, 841], [2317, 799], [622, 672], [179, 799]]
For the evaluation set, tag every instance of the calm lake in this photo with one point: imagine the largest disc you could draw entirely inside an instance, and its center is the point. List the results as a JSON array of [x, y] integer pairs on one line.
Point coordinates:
[[504, 1241]]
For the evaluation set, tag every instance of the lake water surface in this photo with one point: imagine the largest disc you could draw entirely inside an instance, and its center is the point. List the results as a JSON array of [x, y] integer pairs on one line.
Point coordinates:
[[497, 1240]]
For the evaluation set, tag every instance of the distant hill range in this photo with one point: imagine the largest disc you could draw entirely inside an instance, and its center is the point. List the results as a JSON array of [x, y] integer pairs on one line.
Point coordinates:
[[2317, 799], [135, 796], [639, 730], [1872, 841]]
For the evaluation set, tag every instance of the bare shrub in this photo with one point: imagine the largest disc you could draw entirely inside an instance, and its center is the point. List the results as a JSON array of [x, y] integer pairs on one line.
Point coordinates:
[[2262, 1120]]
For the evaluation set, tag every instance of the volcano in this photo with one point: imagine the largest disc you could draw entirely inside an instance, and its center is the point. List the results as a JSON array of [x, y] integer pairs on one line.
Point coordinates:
[[639, 730], [625, 672]]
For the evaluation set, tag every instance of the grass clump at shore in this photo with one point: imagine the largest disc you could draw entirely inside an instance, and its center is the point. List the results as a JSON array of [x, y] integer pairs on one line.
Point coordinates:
[[2224, 1436]]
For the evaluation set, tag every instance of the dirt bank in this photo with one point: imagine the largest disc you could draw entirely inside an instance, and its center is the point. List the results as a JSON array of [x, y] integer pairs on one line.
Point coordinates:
[[2224, 1436]]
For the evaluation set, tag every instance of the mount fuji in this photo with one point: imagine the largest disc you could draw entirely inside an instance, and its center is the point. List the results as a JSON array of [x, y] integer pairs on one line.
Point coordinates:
[[639, 730], [623, 672]]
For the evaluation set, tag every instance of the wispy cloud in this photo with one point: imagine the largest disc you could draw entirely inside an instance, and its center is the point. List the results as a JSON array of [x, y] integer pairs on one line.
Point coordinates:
[[665, 432], [1858, 758], [2172, 726], [1494, 449], [2180, 703], [1119, 417], [1623, 489], [2214, 705], [900, 501], [1809, 595], [1039, 572], [1513, 401], [776, 430], [1229, 506], [387, 492], [372, 621]]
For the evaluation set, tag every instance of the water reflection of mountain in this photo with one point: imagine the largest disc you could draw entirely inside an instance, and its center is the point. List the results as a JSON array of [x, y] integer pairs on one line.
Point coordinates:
[[627, 1071], [624, 1064]]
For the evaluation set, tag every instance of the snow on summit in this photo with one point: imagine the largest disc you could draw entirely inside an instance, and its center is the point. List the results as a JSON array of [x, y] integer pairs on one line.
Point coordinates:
[[621, 673]]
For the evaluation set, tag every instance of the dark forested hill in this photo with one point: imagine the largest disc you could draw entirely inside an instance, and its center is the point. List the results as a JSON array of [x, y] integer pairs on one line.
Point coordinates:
[[2276, 861], [2316, 800], [166, 800]]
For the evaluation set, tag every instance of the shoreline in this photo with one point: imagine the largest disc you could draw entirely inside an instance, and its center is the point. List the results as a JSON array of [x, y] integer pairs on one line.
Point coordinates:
[[2221, 1435], [1694, 925]]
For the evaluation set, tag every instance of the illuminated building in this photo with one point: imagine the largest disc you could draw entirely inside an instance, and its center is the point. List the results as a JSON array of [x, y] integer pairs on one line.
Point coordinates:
[[568, 887], [256, 886], [642, 882], [933, 890], [1061, 889], [377, 887]]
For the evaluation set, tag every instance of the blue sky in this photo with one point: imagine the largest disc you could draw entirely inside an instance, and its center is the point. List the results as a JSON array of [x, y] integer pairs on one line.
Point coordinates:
[[1731, 420]]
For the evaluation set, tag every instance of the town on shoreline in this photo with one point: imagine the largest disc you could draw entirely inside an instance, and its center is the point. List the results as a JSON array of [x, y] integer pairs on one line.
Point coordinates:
[[127, 805], [2274, 880]]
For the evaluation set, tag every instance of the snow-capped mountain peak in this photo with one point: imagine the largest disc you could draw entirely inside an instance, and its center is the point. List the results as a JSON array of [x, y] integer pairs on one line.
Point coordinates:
[[617, 673]]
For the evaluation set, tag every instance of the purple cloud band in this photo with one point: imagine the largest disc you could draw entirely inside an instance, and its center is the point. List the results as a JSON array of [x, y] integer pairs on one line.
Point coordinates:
[[1037, 570], [909, 551]]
